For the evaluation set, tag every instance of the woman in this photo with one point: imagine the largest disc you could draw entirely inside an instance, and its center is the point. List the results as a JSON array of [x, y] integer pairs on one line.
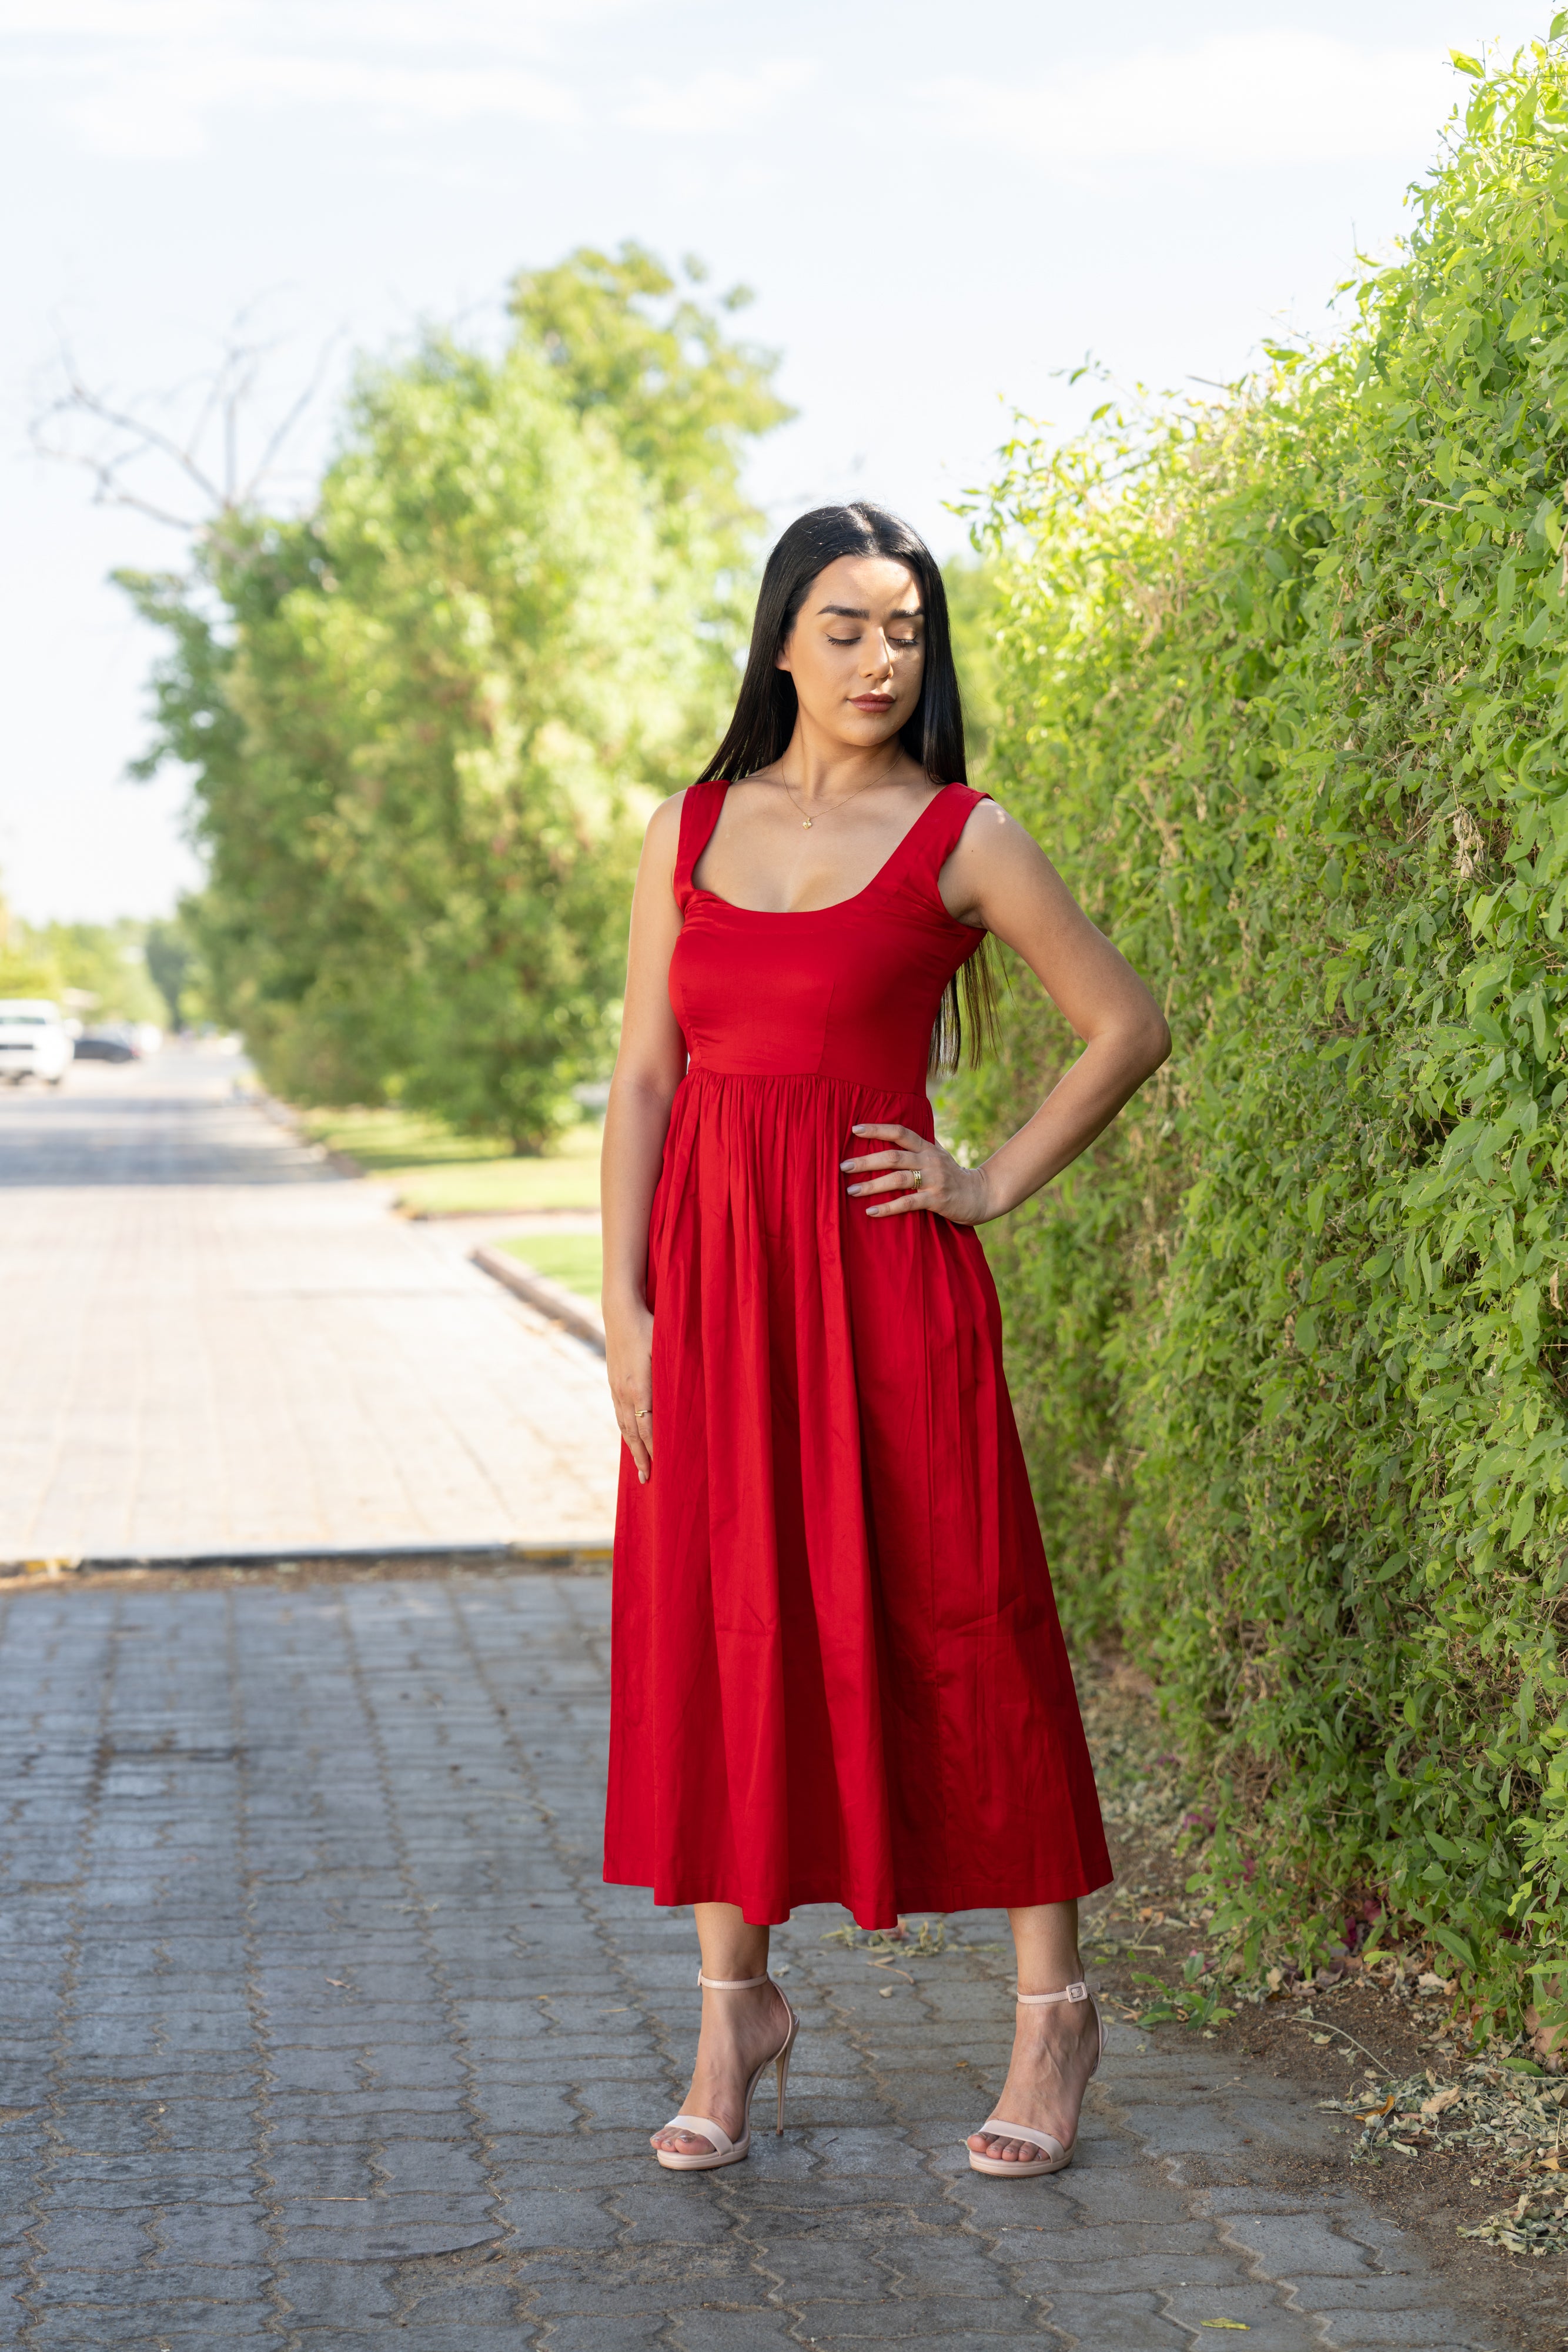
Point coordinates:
[[837, 1669]]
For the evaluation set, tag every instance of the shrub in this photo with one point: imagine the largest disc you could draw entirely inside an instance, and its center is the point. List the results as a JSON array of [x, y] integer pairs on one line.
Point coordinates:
[[1284, 687]]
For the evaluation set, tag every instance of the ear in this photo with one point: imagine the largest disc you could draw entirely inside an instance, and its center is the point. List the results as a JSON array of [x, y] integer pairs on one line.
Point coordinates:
[[781, 658]]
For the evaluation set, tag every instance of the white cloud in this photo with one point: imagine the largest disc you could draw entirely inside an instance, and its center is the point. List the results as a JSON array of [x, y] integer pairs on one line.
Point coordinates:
[[164, 108], [1248, 98], [514, 27], [148, 78], [713, 102]]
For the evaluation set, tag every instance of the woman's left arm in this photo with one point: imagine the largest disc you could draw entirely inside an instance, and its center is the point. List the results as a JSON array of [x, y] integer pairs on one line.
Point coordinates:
[[999, 876]]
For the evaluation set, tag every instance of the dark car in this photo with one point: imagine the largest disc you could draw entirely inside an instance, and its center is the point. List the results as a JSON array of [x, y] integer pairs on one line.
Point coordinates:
[[103, 1047]]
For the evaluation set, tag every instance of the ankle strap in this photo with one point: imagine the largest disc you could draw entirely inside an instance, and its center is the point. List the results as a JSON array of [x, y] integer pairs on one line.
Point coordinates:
[[1079, 1991], [730, 1984]]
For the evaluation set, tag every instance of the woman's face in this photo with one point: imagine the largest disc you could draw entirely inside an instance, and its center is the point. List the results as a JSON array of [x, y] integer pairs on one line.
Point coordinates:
[[857, 651]]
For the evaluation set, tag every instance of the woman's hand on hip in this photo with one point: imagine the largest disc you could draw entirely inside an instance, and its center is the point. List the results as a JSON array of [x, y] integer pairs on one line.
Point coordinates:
[[917, 1174], [629, 1360]]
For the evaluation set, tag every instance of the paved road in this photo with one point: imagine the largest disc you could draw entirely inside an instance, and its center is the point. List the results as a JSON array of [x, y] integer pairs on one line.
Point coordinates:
[[210, 1341], [320, 2029]]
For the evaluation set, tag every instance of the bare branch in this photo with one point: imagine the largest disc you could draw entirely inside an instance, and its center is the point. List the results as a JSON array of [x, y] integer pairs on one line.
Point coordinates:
[[292, 415], [115, 441]]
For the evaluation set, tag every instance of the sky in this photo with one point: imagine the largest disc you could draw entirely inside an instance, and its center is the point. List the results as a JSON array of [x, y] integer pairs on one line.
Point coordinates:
[[939, 208]]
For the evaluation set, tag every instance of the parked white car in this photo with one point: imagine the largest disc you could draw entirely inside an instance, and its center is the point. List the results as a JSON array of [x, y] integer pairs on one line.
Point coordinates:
[[34, 1041]]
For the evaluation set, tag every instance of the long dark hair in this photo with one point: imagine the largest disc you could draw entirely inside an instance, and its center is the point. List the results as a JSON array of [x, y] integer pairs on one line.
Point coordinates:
[[933, 734]]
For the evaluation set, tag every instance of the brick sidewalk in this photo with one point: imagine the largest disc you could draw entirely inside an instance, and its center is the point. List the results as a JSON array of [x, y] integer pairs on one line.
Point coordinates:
[[321, 2027], [211, 1342]]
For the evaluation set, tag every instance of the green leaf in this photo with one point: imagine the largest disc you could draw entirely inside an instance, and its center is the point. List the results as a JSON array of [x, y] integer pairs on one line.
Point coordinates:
[[1465, 63], [1457, 1944]]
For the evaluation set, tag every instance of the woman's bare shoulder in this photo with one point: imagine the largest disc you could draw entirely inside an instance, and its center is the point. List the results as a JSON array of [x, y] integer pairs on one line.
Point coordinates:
[[994, 839], [993, 860], [664, 824]]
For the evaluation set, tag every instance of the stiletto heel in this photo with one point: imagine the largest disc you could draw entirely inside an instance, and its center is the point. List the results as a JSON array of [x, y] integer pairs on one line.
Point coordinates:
[[726, 2150], [1053, 2156], [781, 2069]]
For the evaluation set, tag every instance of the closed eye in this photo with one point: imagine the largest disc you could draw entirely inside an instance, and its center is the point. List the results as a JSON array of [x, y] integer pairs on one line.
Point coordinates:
[[900, 644]]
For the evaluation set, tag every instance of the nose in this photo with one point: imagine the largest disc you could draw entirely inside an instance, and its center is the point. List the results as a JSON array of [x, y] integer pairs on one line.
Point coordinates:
[[877, 659]]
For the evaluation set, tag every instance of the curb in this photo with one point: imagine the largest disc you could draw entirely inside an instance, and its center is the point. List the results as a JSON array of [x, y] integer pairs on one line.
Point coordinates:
[[551, 1298], [589, 1555]]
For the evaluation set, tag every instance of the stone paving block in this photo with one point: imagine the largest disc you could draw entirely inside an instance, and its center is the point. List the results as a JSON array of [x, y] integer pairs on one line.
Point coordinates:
[[1217, 2268], [79, 2185], [650, 2216], [510, 2110], [1369, 2291], [594, 2331], [923, 2261], [78, 2240], [325, 2074], [303, 2169], [149, 2291], [468, 2302], [936, 2320], [596, 2161], [587, 2290], [449, 2167], [511, 2335], [217, 2126], [377, 2231], [1120, 2193], [569, 2218], [1434, 2330], [1117, 2323], [202, 2328], [836, 2270], [338, 2294], [210, 2233], [732, 2331], [1299, 2246], [1272, 2327]]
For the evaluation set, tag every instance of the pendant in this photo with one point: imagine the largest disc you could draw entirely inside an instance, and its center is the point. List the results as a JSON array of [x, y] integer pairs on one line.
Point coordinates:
[[805, 825]]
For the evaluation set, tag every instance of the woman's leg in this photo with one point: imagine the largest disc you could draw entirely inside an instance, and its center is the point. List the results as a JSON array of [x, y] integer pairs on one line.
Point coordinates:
[[1054, 2049], [738, 2029]]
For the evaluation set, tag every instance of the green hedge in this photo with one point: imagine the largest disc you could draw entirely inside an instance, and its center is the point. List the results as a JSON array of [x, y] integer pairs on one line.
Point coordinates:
[[1285, 689]]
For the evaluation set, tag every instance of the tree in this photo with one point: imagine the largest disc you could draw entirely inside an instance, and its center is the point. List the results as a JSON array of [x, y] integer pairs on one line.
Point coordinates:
[[171, 960], [426, 719]]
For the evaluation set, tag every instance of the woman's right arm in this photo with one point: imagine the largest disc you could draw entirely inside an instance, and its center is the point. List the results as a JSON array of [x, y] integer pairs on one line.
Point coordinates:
[[648, 1068]]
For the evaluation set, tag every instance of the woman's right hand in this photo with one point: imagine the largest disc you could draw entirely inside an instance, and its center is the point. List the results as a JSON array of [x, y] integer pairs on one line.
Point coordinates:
[[629, 1360]]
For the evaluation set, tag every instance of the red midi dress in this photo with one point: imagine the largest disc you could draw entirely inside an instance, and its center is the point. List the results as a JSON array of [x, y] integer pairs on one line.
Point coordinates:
[[836, 1671]]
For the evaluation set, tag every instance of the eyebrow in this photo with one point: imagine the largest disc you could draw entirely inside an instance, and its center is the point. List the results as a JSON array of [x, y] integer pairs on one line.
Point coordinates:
[[860, 612]]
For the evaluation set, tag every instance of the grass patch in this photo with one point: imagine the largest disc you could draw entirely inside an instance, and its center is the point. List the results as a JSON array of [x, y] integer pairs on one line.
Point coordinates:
[[446, 1174], [574, 1260]]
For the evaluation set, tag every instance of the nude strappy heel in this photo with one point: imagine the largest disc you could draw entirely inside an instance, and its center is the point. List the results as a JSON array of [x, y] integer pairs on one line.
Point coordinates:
[[1053, 2156], [726, 2150]]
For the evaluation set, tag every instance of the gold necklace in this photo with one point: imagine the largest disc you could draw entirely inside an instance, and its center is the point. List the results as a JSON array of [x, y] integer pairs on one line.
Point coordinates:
[[807, 822]]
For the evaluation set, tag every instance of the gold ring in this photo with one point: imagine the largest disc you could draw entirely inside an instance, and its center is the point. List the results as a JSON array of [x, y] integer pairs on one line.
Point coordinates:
[[644, 1413], [919, 1180]]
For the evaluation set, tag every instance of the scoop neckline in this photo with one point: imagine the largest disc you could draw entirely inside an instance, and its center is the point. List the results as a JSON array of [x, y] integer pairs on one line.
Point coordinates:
[[794, 914]]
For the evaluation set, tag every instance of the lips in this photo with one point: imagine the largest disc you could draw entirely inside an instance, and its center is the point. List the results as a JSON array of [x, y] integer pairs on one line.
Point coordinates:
[[872, 701]]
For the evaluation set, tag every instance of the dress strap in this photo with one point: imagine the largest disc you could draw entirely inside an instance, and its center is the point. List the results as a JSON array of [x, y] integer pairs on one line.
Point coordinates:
[[933, 838], [699, 814]]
